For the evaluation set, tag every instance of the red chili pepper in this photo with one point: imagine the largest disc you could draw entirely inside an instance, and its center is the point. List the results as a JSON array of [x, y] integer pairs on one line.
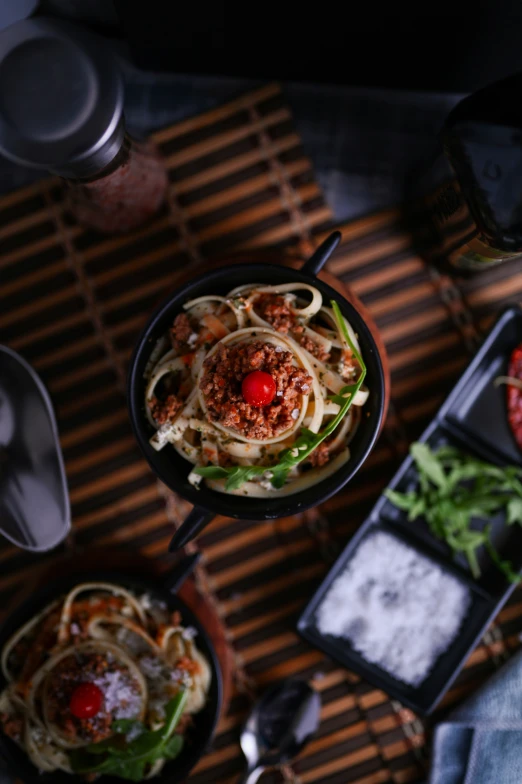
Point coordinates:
[[514, 395]]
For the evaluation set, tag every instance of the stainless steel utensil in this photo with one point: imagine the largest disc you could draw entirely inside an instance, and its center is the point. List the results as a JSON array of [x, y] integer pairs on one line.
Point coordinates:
[[280, 725]]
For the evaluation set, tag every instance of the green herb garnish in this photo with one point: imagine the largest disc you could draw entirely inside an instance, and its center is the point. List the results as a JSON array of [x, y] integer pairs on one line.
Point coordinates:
[[130, 760], [454, 489], [307, 441]]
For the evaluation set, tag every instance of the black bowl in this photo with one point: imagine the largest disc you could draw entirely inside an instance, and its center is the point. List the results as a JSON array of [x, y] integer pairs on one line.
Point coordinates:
[[200, 735], [173, 470]]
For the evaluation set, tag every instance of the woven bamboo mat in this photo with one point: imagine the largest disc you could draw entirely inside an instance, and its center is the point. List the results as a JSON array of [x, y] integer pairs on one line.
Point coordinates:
[[72, 304]]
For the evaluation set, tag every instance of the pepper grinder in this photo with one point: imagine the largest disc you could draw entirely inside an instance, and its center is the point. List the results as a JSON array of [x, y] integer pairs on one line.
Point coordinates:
[[61, 110]]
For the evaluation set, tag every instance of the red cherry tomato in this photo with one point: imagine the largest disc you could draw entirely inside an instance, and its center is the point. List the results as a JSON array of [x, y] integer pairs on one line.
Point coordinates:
[[258, 388], [86, 701]]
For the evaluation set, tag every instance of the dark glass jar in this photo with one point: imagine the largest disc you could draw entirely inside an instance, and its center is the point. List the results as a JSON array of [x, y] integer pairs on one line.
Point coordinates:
[[124, 194], [475, 210]]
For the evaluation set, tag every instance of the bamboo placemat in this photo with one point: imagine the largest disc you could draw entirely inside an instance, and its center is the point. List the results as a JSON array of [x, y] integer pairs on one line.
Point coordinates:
[[72, 304]]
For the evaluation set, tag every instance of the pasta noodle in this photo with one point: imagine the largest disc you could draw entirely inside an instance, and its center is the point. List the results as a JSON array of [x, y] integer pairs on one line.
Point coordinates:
[[103, 635], [195, 397]]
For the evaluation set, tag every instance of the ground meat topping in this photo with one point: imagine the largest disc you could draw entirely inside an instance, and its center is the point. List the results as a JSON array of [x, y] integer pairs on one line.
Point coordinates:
[[165, 410], [320, 456], [274, 309], [316, 349], [223, 373], [180, 333], [71, 672], [12, 725]]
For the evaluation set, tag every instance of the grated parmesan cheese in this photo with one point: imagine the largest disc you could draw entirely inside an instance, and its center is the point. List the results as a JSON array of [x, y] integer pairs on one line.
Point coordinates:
[[120, 698], [182, 677], [152, 667]]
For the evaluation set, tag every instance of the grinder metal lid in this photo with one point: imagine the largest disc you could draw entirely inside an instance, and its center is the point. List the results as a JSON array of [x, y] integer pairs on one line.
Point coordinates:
[[61, 98]]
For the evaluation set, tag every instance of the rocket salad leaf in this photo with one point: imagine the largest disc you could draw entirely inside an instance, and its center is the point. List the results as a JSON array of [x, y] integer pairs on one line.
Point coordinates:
[[130, 760], [455, 492], [305, 443]]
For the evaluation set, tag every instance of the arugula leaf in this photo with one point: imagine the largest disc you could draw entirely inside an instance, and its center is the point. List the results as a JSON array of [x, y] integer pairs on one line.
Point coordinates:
[[173, 746], [124, 726], [212, 471], [514, 511], [404, 501], [428, 463], [456, 492], [307, 441], [505, 566], [130, 760]]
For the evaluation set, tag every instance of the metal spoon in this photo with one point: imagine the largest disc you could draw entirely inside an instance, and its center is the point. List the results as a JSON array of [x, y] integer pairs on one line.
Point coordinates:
[[34, 503], [280, 725]]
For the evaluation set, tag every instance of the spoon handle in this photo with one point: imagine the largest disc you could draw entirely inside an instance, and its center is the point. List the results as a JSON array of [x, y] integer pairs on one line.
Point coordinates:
[[251, 776]]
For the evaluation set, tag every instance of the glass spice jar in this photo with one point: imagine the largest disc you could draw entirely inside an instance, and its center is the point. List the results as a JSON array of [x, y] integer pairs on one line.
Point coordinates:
[[124, 194], [61, 110]]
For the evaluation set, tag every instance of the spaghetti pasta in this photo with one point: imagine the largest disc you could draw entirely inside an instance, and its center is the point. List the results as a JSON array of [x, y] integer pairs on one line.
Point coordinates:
[[123, 648], [195, 388]]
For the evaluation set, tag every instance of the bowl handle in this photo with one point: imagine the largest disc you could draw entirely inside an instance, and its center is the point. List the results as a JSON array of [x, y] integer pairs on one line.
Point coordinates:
[[181, 572], [191, 526], [321, 255]]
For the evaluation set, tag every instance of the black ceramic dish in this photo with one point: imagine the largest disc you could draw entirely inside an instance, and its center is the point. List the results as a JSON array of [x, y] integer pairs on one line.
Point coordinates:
[[173, 470], [200, 735], [473, 418], [34, 504]]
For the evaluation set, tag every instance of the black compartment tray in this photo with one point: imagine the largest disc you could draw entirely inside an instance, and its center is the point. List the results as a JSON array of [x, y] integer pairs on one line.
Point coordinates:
[[473, 418]]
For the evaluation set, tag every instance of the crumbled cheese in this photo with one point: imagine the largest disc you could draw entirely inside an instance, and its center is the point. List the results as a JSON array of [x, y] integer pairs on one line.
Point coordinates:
[[294, 452], [238, 303], [192, 339], [182, 677], [132, 641], [266, 484], [120, 698], [157, 707], [40, 737], [279, 349], [189, 633], [146, 601], [75, 629], [127, 611], [295, 413], [152, 667]]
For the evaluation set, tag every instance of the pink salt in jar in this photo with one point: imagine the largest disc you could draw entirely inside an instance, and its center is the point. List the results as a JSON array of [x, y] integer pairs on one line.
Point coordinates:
[[124, 194]]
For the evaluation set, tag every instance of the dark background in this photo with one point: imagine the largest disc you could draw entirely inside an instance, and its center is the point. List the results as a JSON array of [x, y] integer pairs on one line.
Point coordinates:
[[451, 49], [369, 87]]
